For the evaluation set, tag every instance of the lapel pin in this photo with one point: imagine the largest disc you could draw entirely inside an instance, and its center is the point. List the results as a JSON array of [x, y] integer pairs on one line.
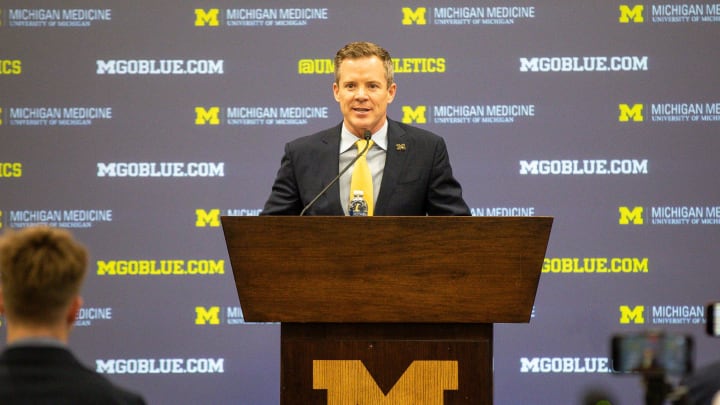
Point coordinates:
[[400, 147]]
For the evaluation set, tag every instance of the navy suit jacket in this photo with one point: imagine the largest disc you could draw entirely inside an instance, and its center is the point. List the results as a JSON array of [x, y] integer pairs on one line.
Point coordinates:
[[417, 179], [52, 375]]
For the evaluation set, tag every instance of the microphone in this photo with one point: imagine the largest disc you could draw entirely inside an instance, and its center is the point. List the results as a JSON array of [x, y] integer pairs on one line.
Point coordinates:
[[366, 135]]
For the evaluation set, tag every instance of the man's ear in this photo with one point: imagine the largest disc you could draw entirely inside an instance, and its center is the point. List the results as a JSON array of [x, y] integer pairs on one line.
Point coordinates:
[[74, 309], [336, 92], [391, 92]]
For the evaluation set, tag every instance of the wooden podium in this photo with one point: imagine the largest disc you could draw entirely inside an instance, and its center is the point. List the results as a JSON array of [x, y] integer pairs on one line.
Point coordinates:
[[386, 310]]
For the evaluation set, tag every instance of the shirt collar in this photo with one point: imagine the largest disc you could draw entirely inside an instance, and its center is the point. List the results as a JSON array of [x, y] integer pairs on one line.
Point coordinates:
[[37, 342], [347, 139]]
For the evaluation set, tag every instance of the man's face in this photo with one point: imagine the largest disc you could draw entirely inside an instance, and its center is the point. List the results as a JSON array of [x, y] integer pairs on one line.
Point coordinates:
[[363, 94]]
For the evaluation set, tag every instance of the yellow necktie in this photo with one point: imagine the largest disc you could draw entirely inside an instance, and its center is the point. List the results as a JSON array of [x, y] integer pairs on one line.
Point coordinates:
[[361, 177]]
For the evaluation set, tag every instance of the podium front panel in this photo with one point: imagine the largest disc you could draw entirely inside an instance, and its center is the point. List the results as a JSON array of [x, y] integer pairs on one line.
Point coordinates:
[[371, 364]]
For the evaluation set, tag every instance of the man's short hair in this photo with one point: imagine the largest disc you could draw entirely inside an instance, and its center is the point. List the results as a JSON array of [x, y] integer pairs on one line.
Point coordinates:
[[356, 50], [41, 270]]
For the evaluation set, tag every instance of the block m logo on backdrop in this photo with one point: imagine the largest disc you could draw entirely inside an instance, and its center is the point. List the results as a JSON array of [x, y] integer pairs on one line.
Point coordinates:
[[635, 315], [415, 115], [634, 14], [634, 113], [207, 116], [349, 382], [207, 316], [207, 18], [205, 218], [416, 16], [632, 216]]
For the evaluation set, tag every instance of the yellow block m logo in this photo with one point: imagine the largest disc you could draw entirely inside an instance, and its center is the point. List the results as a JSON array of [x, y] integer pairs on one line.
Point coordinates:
[[417, 16], [628, 216], [349, 382], [635, 315], [209, 18], [416, 115], [210, 116], [627, 113], [634, 14], [207, 316], [205, 218]]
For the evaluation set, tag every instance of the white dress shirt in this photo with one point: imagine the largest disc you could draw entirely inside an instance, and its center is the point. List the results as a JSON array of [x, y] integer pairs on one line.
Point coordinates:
[[375, 157]]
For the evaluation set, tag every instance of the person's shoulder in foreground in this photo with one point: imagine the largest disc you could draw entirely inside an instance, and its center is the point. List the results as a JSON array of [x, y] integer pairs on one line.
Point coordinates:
[[52, 375]]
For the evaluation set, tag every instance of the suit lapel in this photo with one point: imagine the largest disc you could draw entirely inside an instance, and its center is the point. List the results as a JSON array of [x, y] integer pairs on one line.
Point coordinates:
[[328, 169], [394, 164]]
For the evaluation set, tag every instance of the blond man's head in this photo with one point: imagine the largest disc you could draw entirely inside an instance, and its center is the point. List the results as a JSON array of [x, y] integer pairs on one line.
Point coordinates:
[[41, 272]]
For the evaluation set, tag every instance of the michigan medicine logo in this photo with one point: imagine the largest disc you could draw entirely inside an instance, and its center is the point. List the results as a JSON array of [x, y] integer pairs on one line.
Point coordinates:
[[669, 215], [661, 314], [688, 13], [55, 18], [68, 218], [495, 15], [467, 114], [259, 115], [669, 112], [55, 116], [259, 17]]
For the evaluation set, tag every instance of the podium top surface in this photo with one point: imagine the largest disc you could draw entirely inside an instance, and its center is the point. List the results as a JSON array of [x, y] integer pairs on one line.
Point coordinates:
[[387, 269]]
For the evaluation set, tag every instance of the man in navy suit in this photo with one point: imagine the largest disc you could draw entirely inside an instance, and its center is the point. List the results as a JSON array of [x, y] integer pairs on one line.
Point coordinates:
[[411, 172], [41, 271]]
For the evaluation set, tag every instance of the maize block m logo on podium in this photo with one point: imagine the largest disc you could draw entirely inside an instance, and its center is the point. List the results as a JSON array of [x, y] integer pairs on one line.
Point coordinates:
[[349, 382]]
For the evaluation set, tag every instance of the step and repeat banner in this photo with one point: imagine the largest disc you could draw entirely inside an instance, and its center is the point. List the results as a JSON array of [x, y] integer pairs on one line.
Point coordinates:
[[138, 124]]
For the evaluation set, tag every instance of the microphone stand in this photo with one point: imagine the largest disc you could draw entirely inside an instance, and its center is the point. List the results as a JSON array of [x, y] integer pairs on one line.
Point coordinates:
[[367, 135]]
